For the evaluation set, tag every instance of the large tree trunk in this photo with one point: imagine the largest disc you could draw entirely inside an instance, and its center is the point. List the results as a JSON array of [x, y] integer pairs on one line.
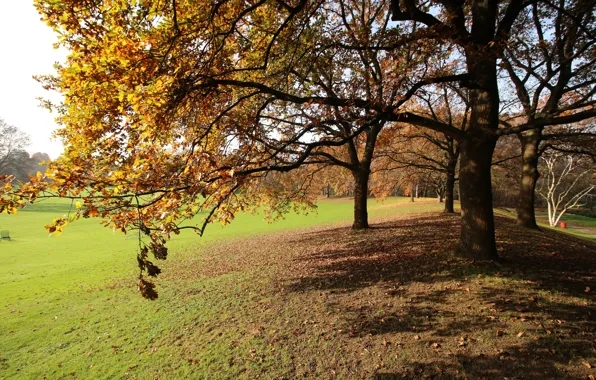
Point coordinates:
[[477, 238], [449, 188], [360, 199], [530, 141]]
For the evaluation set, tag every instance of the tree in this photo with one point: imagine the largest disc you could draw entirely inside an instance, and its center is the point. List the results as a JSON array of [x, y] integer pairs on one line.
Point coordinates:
[[363, 74], [566, 182], [414, 149], [172, 128], [482, 45], [550, 64], [358, 157], [12, 142], [22, 166]]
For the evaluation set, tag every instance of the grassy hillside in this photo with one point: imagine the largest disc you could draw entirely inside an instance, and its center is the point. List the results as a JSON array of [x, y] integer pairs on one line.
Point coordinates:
[[577, 225], [87, 253], [69, 302]]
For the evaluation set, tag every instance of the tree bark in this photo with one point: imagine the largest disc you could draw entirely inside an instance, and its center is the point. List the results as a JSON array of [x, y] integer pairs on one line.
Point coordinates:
[[530, 142], [449, 188], [477, 237], [360, 199]]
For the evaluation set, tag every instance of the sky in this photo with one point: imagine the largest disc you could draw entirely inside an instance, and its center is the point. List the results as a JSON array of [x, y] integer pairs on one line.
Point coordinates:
[[26, 46]]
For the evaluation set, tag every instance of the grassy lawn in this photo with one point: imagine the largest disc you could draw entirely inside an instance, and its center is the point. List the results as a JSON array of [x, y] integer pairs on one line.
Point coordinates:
[[577, 225], [35, 263], [69, 306], [313, 299]]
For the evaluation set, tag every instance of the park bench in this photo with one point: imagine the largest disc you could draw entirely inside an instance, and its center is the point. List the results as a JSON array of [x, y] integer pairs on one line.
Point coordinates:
[[4, 234]]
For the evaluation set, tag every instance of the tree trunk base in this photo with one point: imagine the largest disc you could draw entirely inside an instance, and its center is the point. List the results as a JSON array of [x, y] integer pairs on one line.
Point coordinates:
[[476, 253], [359, 227], [530, 224]]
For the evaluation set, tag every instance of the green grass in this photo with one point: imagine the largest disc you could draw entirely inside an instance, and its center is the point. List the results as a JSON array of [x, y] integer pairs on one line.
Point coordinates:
[[87, 253], [69, 304], [577, 225]]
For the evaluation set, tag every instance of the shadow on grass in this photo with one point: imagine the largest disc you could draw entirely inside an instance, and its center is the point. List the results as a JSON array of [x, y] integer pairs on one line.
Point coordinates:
[[398, 251], [543, 288], [531, 361]]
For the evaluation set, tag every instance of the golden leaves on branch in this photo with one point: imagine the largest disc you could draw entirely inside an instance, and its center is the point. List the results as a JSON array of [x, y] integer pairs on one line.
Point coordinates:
[[153, 139]]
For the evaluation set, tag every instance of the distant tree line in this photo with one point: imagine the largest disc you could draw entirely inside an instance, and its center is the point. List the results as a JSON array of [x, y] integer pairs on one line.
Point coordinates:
[[14, 159]]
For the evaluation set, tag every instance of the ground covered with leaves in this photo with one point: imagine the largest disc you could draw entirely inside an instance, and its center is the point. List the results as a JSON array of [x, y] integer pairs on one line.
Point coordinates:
[[391, 302]]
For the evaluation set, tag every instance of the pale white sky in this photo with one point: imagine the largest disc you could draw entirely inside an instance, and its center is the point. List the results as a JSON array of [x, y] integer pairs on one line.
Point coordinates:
[[26, 50]]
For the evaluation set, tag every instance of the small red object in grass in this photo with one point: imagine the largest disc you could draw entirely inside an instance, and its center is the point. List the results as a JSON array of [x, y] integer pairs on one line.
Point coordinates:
[[563, 225]]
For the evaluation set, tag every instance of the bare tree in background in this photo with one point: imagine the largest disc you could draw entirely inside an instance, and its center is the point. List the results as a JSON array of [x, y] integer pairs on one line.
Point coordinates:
[[12, 142], [567, 180]]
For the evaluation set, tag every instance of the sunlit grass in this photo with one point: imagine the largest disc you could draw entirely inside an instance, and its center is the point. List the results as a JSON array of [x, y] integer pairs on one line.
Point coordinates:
[[69, 303], [577, 225]]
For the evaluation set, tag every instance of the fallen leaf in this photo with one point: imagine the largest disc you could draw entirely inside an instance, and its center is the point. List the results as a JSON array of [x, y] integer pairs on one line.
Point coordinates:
[[587, 365], [521, 334]]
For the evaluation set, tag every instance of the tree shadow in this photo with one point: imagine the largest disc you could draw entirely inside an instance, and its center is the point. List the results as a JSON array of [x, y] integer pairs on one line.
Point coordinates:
[[420, 249], [535, 360], [394, 251], [545, 284]]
